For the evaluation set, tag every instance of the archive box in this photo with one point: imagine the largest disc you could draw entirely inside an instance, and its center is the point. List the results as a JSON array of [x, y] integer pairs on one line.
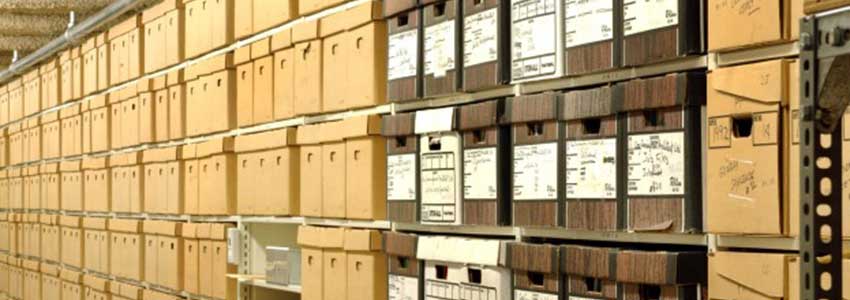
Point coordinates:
[[212, 262], [365, 71], [310, 170], [283, 265], [16, 99], [177, 111], [335, 55], [50, 238], [163, 180], [160, 114], [32, 92], [72, 284], [441, 169], [4, 274], [664, 177], [5, 226], [442, 50], [191, 257], [49, 84], [31, 279], [96, 288], [96, 187], [267, 167], [126, 59], [538, 135], [402, 167], [191, 179], [211, 100], [594, 162], [335, 260], [51, 285], [591, 36], [263, 106], [127, 182], [50, 182], [16, 278], [77, 73], [71, 241], [163, 250], [270, 13], [283, 85], [96, 241], [146, 126], [16, 194], [675, 275], [4, 190], [4, 104], [406, 275], [100, 119], [308, 68], [537, 40], [404, 50], [312, 261], [486, 44], [365, 168], [85, 127], [657, 31], [589, 272], [216, 177], [366, 265], [486, 161], [734, 25], [536, 271], [16, 144], [89, 52], [103, 61], [749, 160], [244, 86], [450, 272], [163, 26], [32, 140], [126, 249], [125, 291], [71, 185], [30, 231], [71, 131], [31, 188], [209, 25]]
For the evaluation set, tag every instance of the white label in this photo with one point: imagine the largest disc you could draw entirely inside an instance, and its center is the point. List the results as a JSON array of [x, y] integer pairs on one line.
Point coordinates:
[[438, 187], [581, 298], [403, 287], [401, 177], [588, 21], [479, 173], [529, 295], [592, 169], [656, 164], [441, 290], [534, 33], [646, 15], [402, 54], [440, 48], [434, 120], [481, 38], [536, 172]]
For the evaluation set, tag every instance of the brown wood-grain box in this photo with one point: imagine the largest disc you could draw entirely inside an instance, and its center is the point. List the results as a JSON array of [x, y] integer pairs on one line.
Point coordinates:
[[404, 50], [486, 144], [648, 40]]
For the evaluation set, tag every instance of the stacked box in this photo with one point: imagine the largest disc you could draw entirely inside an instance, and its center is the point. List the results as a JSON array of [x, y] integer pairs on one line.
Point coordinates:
[[30, 235], [32, 188], [211, 96], [312, 244], [310, 170], [31, 279], [4, 104], [732, 25], [71, 241], [448, 271], [212, 262], [402, 167], [4, 274], [216, 177], [16, 144], [66, 79], [51, 238], [660, 31], [72, 284], [149, 294], [15, 234], [365, 168], [32, 140], [440, 173], [16, 278], [191, 257], [333, 255], [96, 188], [50, 183], [176, 105], [536, 271], [51, 136], [269, 13], [208, 26], [535, 24], [51, 285], [71, 186], [4, 189], [16, 99], [85, 126], [538, 134], [103, 60], [677, 275], [32, 92], [163, 183], [263, 79], [5, 225], [333, 170], [244, 86], [126, 59], [96, 255], [76, 73], [16, 195], [127, 183], [49, 84], [163, 30], [126, 249], [159, 122], [90, 65], [366, 265], [592, 36], [163, 263], [283, 84], [96, 287], [405, 272], [404, 50], [267, 180], [442, 35], [663, 151], [71, 131], [191, 179], [308, 68], [486, 44], [486, 144], [146, 128], [126, 291]]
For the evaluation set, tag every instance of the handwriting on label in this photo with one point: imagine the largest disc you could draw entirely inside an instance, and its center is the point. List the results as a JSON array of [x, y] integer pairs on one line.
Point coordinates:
[[741, 7]]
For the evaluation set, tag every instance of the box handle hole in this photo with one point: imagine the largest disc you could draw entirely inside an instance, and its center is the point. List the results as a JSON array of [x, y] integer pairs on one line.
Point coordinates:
[[442, 271], [651, 118], [742, 126], [474, 275], [592, 126], [434, 143], [649, 292], [535, 128]]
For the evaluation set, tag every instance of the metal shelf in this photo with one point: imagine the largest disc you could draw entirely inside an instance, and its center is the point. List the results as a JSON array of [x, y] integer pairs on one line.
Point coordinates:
[[495, 231], [619, 237], [776, 243], [347, 223], [741, 56], [296, 289]]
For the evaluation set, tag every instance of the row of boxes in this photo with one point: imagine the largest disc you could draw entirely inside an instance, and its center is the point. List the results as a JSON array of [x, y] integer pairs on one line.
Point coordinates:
[[609, 158], [434, 266], [339, 263]]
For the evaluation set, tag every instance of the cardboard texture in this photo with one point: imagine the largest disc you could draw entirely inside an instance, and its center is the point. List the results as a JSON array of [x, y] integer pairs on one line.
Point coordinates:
[[731, 25], [652, 34], [486, 143], [749, 149], [267, 173], [308, 68], [164, 181], [734, 275], [310, 169], [209, 25], [284, 83], [216, 178], [269, 13], [211, 103]]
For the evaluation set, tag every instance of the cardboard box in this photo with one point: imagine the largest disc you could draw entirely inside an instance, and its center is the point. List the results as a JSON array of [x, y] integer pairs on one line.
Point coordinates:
[[116, 131], [209, 25], [681, 275], [333, 179], [147, 115], [4, 105], [538, 151], [244, 92], [89, 52], [71, 241], [243, 18], [657, 32], [270, 13], [161, 114], [306, 7], [485, 56], [366, 270], [312, 261], [405, 273], [163, 181], [100, 124], [267, 173], [50, 186], [217, 177], [673, 120], [334, 264], [177, 111], [126, 248], [213, 265], [50, 282], [50, 238], [310, 170], [191, 179], [365, 168], [127, 184], [748, 148], [16, 99], [284, 83], [190, 257], [32, 92], [404, 52], [263, 108], [533, 55], [96, 242], [335, 56], [96, 185], [163, 254], [365, 72], [49, 84], [448, 270], [103, 61], [71, 185], [130, 116], [730, 275], [486, 159], [211, 103], [72, 284], [440, 173], [308, 68], [96, 287], [731, 25], [85, 128]]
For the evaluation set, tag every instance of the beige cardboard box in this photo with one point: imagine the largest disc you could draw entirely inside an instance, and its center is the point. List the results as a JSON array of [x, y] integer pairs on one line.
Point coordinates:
[[333, 170], [742, 275], [365, 72], [174, 24], [310, 6], [177, 111], [191, 179], [32, 92], [96, 185], [170, 256], [310, 169], [89, 52], [267, 173], [49, 85], [263, 108], [51, 285], [16, 99], [221, 97], [366, 270], [96, 245], [190, 257], [100, 124], [147, 121], [221, 14], [71, 185], [85, 128], [160, 119], [213, 266], [72, 287], [245, 94], [32, 279], [284, 83], [50, 238], [334, 264], [4, 105], [103, 60], [130, 117], [127, 185], [163, 181], [96, 287], [747, 145], [308, 68], [312, 261], [50, 185], [77, 74], [335, 56], [736, 24], [127, 249], [269, 13], [116, 131], [243, 19], [217, 178], [195, 40], [366, 175], [71, 241]]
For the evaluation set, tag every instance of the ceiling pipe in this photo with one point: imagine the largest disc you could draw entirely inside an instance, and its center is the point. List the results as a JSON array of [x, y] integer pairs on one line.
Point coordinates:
[[71, 37]]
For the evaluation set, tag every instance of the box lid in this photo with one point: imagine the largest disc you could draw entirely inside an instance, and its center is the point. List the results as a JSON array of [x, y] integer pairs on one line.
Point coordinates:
[[157, 83], [661, 268], [69, 166], [50, 269], [131, 23], [281, 40], [189, 230], [447, 249], [124, 225], [174, 77], [189, 151], [71, 275], [70, 111], [91, 163], [70, 221], [260, 48], [480, 115], [761, 273], [265, 140], [589, 261], [242, 55], [310, 236], [215, 146], [165, 228], [758, 83], [360, 126], [394, 7], [331, 131], [400, 244], [309, 134], [125, 159], [101, 39], [435, 120], [96, 283], [88, 45], [664, 91], [533, 258], [533, 108], [217, 231], [362, 240], [97, 101], [49, 168], [48, 219], [333, 237], [591, 103], [32, 265], [333, 24], [305, 31], [161, 155], [96, 223], [160, 9]]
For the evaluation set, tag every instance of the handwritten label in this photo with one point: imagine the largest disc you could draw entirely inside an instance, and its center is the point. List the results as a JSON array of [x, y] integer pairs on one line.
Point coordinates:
[[656, 164], [719, 132], [479, 173], [401, 177], [438, 179], [403, 287], [534, 34], [645, 15], [402, 54], [592, 169], [529, 295], [765, 128], [535, 172], [588, 21], [440, 48], [740, 7], [481, 38]]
